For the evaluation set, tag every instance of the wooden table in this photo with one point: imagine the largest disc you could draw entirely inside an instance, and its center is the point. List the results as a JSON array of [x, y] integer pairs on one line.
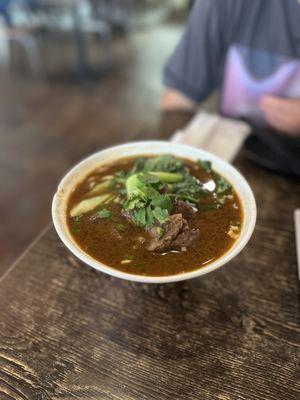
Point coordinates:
[[68, 332]]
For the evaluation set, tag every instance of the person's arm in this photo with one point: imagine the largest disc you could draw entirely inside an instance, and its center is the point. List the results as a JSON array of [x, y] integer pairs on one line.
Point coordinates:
[[173, 100], [195, 68], [282, 114]]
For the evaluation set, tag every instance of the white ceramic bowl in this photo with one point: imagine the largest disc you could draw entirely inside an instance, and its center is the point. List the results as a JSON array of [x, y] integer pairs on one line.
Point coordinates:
[[79, 172]]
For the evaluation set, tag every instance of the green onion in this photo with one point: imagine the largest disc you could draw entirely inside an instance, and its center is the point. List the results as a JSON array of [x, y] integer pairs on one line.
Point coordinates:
[[89, 204], [99, 188], [167, 177]]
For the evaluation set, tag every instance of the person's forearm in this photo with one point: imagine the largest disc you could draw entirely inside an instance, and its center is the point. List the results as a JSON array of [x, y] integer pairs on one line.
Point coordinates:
[[172, 100]]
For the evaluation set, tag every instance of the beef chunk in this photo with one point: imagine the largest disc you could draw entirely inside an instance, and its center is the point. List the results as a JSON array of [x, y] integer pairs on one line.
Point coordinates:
[[181, 207], [177, 235], [171, 231], [185, 238]]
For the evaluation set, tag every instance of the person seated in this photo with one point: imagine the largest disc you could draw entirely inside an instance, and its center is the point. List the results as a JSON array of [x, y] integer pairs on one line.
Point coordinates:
[[250, 51]]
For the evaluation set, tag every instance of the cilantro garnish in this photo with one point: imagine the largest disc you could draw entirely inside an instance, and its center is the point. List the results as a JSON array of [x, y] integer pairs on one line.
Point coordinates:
[[76, 224], [104, 213], [149, 189], [206, 165]]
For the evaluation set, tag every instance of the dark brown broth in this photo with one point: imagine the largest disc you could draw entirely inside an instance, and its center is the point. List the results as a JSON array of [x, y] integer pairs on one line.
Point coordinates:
[[103, 241]]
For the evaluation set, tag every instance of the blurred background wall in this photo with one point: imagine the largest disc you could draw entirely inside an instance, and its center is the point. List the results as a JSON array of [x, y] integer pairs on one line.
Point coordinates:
[[75, 76]]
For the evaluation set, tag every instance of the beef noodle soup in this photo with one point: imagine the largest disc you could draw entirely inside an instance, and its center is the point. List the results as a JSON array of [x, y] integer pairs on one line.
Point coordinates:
[[155, 216]]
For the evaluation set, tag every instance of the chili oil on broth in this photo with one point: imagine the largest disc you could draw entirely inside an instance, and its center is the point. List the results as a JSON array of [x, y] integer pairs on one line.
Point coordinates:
[[105, 241]]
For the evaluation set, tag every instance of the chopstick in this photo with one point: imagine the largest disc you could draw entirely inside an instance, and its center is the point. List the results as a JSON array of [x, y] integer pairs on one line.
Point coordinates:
[[297, 233]]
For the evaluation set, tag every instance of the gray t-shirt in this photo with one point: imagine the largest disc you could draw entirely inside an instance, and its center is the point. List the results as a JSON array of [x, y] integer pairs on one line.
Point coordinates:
[[238, 39]]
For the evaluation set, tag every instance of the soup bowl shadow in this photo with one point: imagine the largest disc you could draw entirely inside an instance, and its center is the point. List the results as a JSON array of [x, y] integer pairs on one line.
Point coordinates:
[[133, 149]]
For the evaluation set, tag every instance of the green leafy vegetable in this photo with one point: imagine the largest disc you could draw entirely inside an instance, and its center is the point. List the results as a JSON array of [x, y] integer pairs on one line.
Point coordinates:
[[144, 217], [147, 192], [135, 187], [165, 163], [139, 217], [149, 217], [100, 188], [163, 201], [104, 213], [134, 201], [167, 177], [118, 179], [151, 186], [75, 224], [161, 215], [139, 165], [206, 165], [148, 178], [190, 189], [89, 204], [222, 185]]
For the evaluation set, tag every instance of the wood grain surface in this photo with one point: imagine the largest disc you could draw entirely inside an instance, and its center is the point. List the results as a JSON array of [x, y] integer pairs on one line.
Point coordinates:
[[68, 332]]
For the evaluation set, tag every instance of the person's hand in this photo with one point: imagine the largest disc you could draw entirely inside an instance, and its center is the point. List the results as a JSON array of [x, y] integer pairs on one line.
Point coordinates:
[[282, 114]]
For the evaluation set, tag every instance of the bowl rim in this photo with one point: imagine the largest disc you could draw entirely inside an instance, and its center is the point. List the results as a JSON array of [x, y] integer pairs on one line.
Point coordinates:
[[98, 265]]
